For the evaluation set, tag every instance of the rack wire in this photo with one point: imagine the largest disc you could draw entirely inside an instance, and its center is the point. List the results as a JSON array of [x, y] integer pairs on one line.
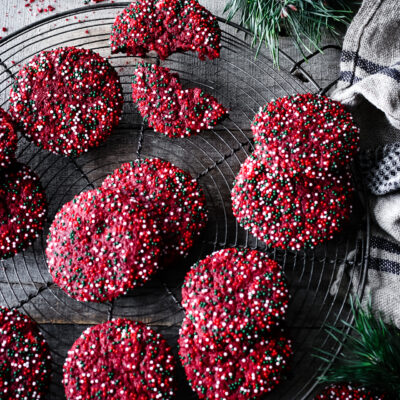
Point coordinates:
[[241, 82]]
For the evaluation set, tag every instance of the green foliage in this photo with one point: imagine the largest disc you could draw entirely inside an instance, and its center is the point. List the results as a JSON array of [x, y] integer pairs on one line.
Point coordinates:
[[302, 20], [370, 354]]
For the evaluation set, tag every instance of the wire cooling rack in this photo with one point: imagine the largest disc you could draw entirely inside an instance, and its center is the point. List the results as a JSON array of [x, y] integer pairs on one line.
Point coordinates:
[[242, 83]]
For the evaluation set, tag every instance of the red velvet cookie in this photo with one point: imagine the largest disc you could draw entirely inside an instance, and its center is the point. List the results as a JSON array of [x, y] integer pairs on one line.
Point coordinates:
[[234, 294], [67, 100], [23, 209], [347, 392], [170, 109], [166, 26], [170, 195], [120, 360], [236, 372], [290, 212], [306, 134], [8, 139], [101, 245], [24, 358]]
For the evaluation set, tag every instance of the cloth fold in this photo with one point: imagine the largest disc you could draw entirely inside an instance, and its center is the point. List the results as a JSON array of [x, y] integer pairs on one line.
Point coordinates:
[[383, 276], [369, 85]]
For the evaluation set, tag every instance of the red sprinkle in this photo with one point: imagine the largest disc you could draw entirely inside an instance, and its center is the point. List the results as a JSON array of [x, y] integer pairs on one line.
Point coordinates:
[[306, 134], [236, 371], [23, 209], [24, 357], [8, 139], [120, 360], [290, 212], [347, 392], [101, 245], [170, 109], [166, 26], [78, 110], [225, 295], [172, 197]]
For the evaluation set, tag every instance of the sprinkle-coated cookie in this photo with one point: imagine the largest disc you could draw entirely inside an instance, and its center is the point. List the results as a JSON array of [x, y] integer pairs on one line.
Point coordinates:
[[166, 26], [8, 139], [306, 134], [347, 392], [234, 294], [170, 109], [101, 245], [24, 358], [23, 209], [290, 212], [120, 360], [236, 372], [67, 100], [170, 195]]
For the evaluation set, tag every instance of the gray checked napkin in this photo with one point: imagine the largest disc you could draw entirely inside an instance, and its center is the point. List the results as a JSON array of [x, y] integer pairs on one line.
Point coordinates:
[[369, 85]]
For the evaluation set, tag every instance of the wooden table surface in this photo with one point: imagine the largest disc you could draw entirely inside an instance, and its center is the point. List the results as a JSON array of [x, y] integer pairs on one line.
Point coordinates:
[[243, 84]]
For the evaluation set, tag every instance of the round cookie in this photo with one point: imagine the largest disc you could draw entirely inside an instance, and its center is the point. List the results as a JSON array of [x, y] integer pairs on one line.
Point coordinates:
[[166, 26], [24, 358], [168, 108], [23, 209], [170, 195], [306, 134], [234, 294], [101, 245], [347, 392], [67, 100], [8, 139], [236, 372], [119, 360], [290, 212]]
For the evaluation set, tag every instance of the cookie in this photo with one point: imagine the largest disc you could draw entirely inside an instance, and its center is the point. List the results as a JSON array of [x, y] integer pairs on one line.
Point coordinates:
[[168, 108], [347, 392], [306, 134], [8, 139], [290, 212], [24, 358], [234, 294], [101, 245], [236, 372], [67, 100], [119, 360], [23, 208], [166, 26], [169, 194]]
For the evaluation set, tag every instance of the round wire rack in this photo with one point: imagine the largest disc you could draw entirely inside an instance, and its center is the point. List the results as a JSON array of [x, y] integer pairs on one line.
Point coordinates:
[[241, 82]]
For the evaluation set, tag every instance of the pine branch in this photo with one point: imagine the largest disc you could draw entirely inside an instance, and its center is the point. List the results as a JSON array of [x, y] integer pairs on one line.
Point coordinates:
[[370, 356], [302, 20]]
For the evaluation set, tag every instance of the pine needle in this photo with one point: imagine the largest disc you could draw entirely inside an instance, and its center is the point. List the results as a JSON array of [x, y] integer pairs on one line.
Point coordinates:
[[303, 20], [370, 355]]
